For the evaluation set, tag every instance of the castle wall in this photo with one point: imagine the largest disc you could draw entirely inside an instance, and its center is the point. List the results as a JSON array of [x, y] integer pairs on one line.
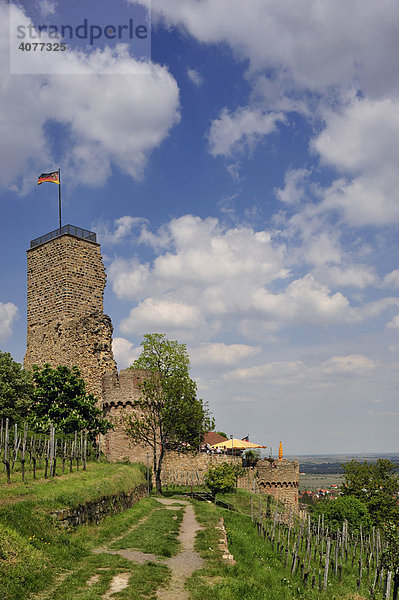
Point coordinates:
[[279, 478], [119, 393], [66, 324], [190, 469]]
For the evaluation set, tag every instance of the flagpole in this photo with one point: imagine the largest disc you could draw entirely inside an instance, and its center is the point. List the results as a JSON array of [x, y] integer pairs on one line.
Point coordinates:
[[59, 196]]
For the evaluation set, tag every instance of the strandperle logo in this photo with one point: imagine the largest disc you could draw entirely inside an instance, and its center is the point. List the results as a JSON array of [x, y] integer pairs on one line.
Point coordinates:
[[84, 31]]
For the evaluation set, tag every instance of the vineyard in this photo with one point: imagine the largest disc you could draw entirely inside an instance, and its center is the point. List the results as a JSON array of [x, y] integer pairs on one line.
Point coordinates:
[[323, 558], [38, 454]]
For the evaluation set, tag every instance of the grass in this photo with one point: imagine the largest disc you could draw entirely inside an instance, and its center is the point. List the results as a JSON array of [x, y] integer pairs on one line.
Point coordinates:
[[33, 550], [143, 579], [258, 573], [100, 479], [241, 500], [34, 564], [158, 535]]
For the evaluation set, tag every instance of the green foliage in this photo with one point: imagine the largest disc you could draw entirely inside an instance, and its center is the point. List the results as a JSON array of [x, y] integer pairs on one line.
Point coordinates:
[[390, 554], [252, 456], [16, 388], [376, 485], [60, 398], [170, 411], [344, 507], [223, 434], [222, 478]]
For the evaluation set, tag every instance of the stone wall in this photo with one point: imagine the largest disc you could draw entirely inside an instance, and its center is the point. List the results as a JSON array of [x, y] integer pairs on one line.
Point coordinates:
[[66, 324], [119, 392], [189, 469], [279, 478], [98, 509]]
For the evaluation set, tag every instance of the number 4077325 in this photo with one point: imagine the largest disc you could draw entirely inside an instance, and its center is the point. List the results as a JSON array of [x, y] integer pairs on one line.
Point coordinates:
[[42, 46]]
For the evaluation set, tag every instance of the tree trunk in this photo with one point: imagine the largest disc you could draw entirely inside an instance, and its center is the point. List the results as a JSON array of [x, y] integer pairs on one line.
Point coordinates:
[[158, 470]]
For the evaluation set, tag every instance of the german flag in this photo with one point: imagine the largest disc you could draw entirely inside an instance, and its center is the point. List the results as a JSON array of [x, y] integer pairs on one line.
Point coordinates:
[[50, 177]]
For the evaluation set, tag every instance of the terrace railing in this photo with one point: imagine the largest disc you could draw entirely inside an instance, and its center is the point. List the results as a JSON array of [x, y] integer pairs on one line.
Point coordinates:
[[78, 232]]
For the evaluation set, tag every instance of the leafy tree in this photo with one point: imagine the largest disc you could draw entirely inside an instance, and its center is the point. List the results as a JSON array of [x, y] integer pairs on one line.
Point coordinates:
[[16, 388], [168, 411], [222, 478], [376, 485], [60, 399], [344, 507], [222, 433]]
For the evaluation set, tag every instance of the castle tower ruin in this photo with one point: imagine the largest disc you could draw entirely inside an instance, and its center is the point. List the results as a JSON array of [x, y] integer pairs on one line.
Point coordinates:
[[66, 322]]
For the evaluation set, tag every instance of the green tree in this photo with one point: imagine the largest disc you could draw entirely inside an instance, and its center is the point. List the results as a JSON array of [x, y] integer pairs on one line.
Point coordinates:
[[60, 399], [168, 411], [222, 478], [16, 388], [376, 485], [223, 434], [336, 511]]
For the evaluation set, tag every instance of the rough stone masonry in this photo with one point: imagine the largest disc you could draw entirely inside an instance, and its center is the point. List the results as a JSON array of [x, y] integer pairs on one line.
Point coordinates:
[[66, 321]]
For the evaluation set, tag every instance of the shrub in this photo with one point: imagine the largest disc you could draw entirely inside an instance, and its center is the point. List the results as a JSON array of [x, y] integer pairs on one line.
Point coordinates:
[[222, 478]]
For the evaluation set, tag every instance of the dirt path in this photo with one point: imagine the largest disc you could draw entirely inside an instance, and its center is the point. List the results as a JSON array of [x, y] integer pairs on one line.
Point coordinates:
[[182, 565], [187, 561]]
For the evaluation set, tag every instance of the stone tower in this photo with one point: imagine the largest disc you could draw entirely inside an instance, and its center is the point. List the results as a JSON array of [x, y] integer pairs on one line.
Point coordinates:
[[66, 323]]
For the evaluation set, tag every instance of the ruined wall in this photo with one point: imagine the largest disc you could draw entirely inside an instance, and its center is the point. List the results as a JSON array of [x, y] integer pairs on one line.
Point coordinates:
[[66, 324], [189, 469], [279, 478], [119, 392]]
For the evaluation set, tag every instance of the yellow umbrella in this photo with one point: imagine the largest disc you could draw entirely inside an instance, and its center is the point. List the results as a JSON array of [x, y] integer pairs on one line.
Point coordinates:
[[237, 444]]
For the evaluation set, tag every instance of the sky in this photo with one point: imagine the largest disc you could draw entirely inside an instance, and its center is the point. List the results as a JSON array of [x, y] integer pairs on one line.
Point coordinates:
[[240, 167]]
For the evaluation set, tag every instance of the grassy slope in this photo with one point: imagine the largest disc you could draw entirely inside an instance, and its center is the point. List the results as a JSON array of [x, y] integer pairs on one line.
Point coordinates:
[[100, 479], [32, 548], [258, 574]]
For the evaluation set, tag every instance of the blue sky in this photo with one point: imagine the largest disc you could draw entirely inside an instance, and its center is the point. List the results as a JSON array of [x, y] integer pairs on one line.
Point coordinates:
[[244, 186]]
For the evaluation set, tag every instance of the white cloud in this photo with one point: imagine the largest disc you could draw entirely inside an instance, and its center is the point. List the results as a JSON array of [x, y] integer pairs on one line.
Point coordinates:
[[219, 354], [316, 43], [123, 227], [361, 143], [8, 314], [356, 276], [124, 352], [391, 280], [47, 7], [352, 364], [109, 119], [297, 372], [234, 132], [212, 277], [394, 323], [162, 315], [304, 300], [280, 373], [294, 190], [195, 77]]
